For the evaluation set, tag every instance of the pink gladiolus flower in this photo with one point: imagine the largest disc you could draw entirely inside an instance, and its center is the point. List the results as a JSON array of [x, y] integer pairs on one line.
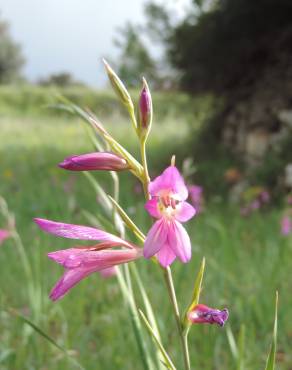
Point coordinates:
[[286, 225], [202, 314], [4, 234], [167, 238], [79, 262], [95, 161]]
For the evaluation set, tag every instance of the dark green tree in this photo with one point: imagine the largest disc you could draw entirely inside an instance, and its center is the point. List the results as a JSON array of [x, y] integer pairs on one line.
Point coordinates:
[[11, 59]]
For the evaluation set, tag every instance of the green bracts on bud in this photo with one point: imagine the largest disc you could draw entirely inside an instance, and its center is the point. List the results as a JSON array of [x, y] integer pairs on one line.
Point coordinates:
[[145, 111], [195, 297], [119, 88]]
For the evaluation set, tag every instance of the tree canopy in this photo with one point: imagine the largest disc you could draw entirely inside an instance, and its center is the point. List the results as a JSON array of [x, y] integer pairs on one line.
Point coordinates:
[[11, 59]]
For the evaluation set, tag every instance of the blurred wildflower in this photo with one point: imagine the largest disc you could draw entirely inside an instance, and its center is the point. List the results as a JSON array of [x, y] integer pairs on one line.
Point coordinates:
[[95, 161], [202, 314], [79, 262], [167, 237], [254, 198], [196, 197], [4, 234], [8, 174], [286, 225]]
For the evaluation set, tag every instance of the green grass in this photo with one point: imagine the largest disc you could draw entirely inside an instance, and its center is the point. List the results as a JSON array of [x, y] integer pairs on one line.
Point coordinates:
[[246, 261]]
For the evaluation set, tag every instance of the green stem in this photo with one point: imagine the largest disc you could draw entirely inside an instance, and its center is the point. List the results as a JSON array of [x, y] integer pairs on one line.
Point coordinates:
[[172, 296], [146, 178], [167, 271]]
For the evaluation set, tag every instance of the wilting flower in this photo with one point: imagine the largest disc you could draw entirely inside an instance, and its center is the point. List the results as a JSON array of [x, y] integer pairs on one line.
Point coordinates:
[[286, 225], [167, 238], [95, 161], [202, 314], [196, 197], [80, 262], [4, 234]]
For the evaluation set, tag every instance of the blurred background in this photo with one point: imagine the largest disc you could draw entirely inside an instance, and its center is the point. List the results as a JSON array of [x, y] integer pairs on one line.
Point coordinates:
[[220, 73]]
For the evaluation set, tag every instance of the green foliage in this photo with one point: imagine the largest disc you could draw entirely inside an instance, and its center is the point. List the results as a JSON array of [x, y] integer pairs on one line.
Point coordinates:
[[11, 59], [34, 101], [230, 44], [62, 79]]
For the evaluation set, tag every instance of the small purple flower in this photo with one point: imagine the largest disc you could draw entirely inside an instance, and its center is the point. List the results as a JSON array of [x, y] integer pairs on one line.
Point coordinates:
[[265, 196], [202, 314], [94, 162]]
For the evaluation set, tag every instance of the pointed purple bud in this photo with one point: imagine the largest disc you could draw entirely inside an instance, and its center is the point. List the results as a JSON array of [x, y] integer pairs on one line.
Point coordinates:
[[202, 314], [145, 110], [94, 162]]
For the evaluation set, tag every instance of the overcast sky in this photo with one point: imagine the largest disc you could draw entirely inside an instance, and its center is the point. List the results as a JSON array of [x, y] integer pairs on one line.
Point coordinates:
[[69, 35]]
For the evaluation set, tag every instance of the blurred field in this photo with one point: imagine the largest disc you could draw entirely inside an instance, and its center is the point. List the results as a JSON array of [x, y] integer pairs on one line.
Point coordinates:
[[247, 259]]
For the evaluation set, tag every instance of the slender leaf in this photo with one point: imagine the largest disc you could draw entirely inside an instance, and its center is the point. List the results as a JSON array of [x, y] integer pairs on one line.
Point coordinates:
[[272, 354], [165, 355]]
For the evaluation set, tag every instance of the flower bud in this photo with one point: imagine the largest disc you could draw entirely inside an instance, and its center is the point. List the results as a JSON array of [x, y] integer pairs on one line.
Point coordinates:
[[145, 110], [202, 314], [119, 87], [95, 161]]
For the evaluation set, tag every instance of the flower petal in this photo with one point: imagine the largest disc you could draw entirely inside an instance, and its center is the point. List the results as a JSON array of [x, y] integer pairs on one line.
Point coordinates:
[[179, 241], [170, 180], [186, 212], [99, 259], [87, 262], [78, 232], [68, 281], [165, 255], [156, 238], [152, 208]]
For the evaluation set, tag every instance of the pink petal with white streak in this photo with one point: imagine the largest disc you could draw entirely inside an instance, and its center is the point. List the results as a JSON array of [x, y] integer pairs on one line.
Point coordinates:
[[166, 256], [186, 212], [179, 241], [78, 232], [156, 238]]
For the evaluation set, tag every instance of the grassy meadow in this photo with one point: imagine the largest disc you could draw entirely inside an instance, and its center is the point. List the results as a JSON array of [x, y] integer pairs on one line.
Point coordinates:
[[247, 258]]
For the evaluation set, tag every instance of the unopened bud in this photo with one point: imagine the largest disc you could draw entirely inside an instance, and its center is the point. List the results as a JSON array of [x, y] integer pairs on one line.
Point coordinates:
[[119, 87], [94, 162], [145, 110]]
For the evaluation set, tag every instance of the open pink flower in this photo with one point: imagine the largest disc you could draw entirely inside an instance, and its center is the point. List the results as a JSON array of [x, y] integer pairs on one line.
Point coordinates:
[[4, 234], [80, 262], [167, 238], [202, 314]]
